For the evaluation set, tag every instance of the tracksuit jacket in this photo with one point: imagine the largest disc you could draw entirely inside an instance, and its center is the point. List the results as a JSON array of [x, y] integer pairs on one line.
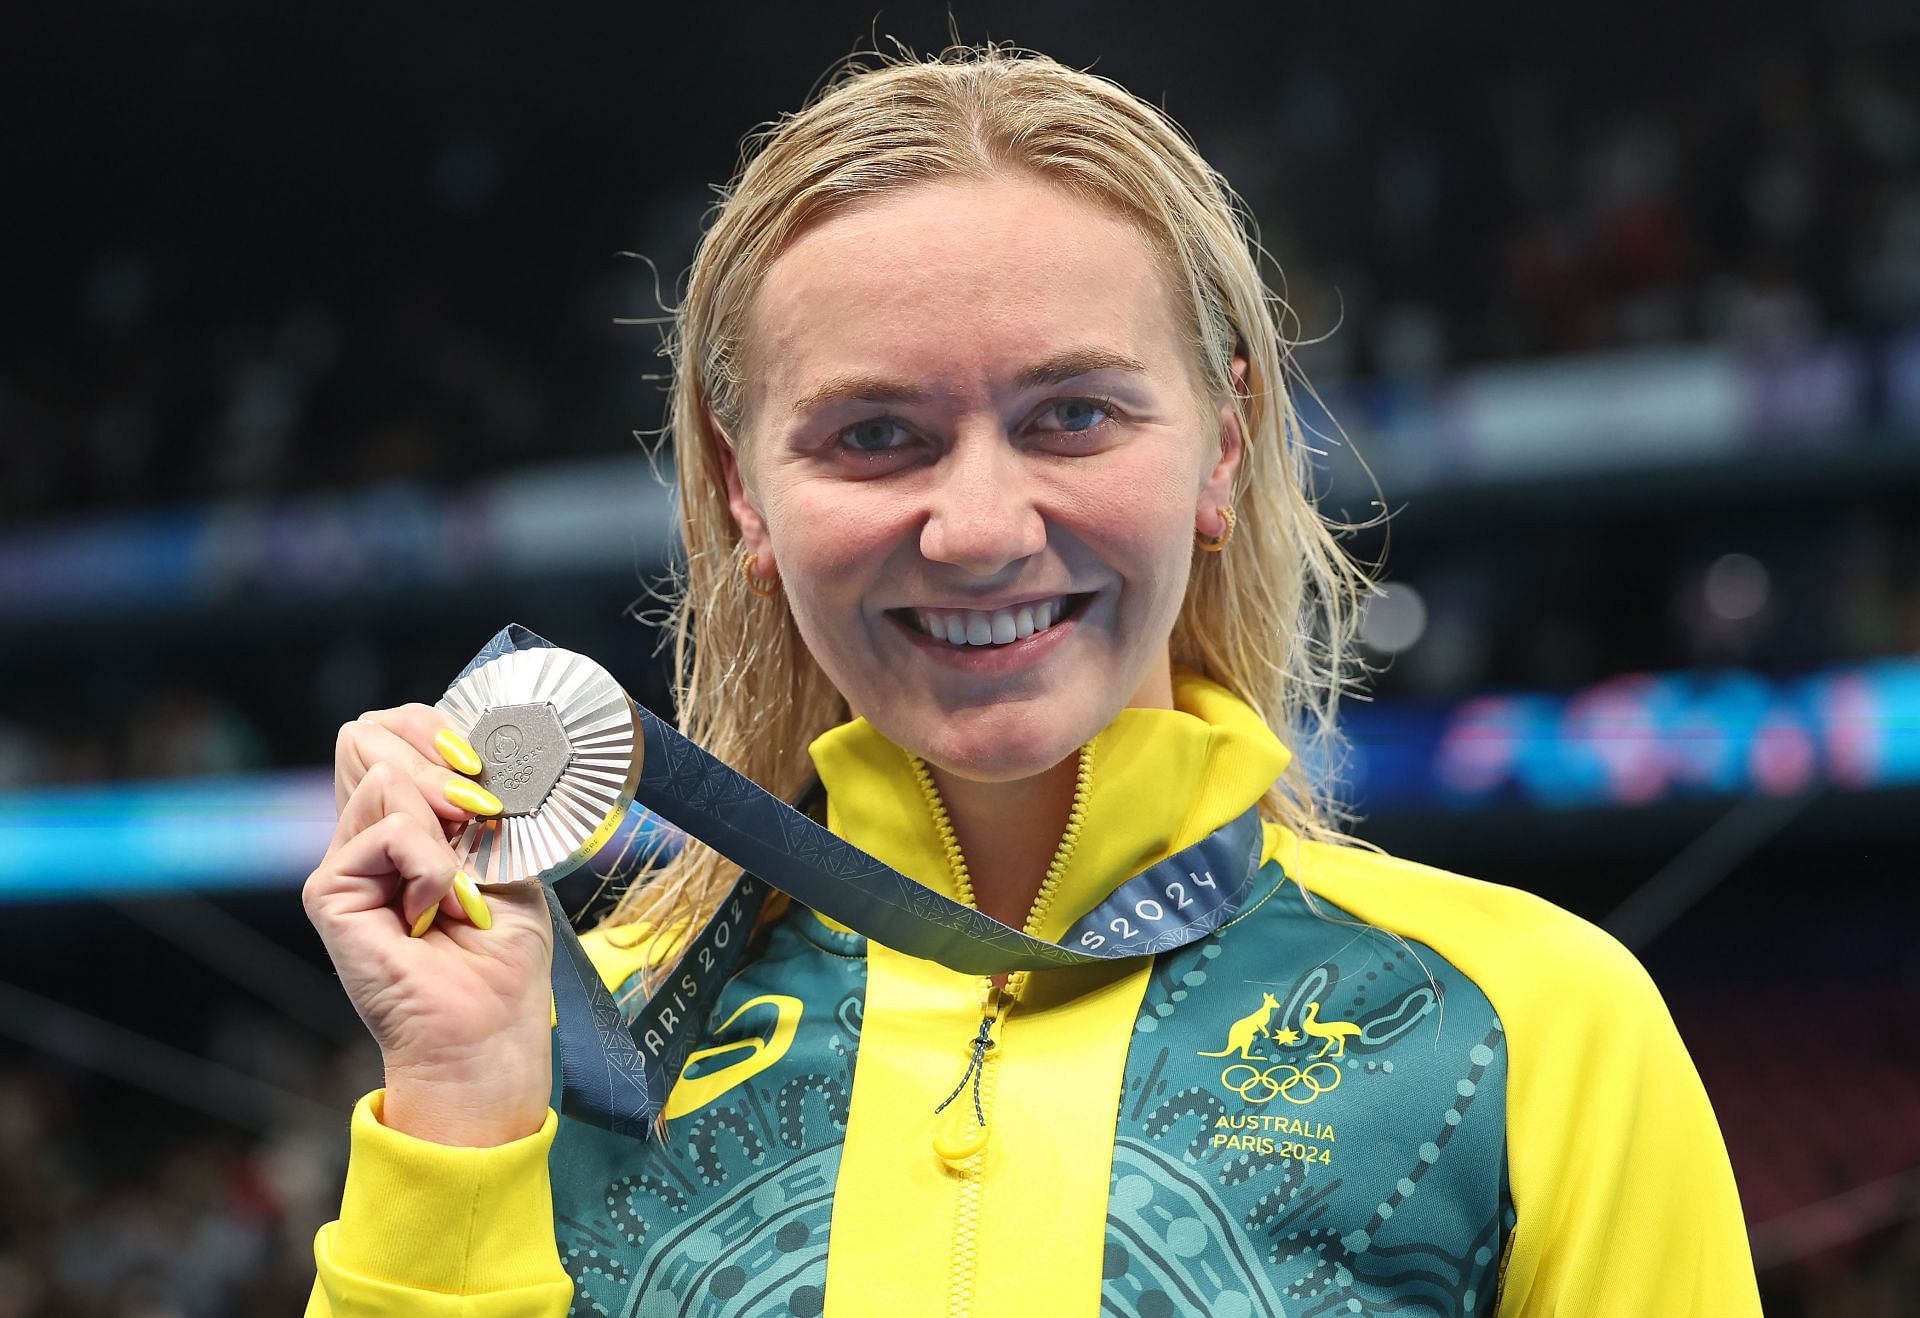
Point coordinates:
[[1379, 1088]]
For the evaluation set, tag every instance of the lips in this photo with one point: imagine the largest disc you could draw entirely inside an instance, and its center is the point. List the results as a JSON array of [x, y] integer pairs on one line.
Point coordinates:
[[991, 627]]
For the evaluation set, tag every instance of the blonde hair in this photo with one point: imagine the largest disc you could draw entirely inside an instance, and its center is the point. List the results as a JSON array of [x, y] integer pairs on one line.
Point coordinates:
[[1272, 618]]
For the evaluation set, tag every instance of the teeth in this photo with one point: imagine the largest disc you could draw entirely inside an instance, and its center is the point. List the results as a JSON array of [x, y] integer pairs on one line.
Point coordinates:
[[1000, 627]]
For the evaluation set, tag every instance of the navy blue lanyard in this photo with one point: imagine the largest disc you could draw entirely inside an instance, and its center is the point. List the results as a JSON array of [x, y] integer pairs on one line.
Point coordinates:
[[617, 1076]]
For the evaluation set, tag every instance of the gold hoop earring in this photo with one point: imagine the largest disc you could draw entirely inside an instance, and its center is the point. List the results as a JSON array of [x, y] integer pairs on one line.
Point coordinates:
[[1214, 544], [764, 587]]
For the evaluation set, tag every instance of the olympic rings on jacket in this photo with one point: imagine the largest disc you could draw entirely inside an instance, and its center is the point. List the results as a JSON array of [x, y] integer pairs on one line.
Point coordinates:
[[1259, 1086]]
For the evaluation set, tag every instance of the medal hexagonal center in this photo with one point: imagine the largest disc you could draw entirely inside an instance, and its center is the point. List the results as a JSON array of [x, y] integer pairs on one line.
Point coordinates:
[[523, 750]]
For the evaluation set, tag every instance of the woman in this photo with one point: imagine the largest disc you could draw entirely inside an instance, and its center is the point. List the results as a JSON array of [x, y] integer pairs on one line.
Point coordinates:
[[997, 525]]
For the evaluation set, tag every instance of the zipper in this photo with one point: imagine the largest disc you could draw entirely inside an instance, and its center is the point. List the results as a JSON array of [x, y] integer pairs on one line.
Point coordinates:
[[971, 1167], [962, 1144]]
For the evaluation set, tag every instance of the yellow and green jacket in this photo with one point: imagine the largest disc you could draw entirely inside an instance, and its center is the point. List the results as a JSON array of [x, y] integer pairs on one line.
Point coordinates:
[[1379, 1088]]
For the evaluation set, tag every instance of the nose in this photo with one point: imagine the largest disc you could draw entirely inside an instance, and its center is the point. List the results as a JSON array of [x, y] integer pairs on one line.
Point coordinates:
[[982, 515]]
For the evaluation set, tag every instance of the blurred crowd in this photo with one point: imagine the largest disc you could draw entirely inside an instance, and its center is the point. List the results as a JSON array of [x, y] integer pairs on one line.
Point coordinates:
[[1827, 1174], [173, 733], [1881, 1280], [1766, 195], [1536, 609], [115, 1204], [1526, 209], [153, 402]]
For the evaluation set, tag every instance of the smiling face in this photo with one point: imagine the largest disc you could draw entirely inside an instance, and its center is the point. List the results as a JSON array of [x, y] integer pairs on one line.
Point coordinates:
[[976, 453]]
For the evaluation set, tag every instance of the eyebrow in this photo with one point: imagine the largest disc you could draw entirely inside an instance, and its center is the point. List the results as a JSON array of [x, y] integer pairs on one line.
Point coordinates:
[[1057, 369]]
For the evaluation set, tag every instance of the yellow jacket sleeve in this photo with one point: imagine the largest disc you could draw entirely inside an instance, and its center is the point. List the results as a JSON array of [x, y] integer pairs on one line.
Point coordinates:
[[431, 1231], [1630, 1207], [1624, 1199]]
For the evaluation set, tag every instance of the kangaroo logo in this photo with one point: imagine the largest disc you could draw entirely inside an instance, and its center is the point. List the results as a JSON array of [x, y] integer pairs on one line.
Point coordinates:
[[1259, 1079], [1242, 1033]]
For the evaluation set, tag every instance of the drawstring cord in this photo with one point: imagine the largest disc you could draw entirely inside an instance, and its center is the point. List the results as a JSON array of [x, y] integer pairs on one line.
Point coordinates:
[[976, 1067]]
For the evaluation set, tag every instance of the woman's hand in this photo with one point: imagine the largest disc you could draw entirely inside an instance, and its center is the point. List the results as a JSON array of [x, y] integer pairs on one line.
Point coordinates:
[[453, 985]]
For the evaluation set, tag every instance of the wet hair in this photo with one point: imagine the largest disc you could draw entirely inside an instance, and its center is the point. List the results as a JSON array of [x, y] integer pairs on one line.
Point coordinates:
[[1272, 618]]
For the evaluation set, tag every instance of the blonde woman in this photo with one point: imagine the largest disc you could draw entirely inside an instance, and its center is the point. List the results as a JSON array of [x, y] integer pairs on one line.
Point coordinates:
[[998, 527]]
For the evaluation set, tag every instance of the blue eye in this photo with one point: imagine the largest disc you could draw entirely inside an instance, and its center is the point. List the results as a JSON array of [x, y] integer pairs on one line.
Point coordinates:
[[870, 436], [1077, 416], [886, 437]]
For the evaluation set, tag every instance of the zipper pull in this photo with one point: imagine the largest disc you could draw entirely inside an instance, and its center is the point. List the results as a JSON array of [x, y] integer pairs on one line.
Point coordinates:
[[958, 1147]]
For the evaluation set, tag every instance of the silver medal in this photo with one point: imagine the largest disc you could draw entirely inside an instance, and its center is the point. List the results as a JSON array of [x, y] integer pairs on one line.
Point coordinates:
[[559, 742]]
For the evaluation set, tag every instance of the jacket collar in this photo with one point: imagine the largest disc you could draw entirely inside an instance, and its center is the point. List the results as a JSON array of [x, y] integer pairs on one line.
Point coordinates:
[[1163, 779]]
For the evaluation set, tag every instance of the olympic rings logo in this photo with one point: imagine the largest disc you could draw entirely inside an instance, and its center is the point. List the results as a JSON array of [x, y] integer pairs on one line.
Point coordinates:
[[1259, 1086]]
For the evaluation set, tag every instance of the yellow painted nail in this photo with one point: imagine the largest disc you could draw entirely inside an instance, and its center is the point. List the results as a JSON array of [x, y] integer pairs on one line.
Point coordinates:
[[471, 901], [472, 796], [425, 921], [457, 751]]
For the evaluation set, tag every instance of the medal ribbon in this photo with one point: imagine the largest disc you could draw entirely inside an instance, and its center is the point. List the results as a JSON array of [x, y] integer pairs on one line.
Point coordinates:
[[617, 1075]]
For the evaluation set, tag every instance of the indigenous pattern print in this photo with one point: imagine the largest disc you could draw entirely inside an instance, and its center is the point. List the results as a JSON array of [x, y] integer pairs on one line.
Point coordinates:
[[729, 1214], [1312, 1122]]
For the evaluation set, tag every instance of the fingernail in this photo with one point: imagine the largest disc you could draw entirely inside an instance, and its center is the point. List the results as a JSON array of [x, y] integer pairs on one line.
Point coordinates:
[[425, 921], [471, 901], [472, 796], [457, 751]]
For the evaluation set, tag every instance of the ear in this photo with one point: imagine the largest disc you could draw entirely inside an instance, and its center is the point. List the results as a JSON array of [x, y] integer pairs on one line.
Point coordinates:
[[1217, 490], [753, 529]]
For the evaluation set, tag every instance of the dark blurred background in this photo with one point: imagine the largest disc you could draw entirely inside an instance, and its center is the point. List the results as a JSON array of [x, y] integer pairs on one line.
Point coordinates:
[[314, 373]]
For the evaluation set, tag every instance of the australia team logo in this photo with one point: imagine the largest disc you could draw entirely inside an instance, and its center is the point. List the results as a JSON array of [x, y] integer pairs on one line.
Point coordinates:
[[1259, 1077]]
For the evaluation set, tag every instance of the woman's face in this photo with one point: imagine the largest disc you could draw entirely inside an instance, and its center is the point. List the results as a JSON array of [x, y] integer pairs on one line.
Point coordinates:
[[976, 454]]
